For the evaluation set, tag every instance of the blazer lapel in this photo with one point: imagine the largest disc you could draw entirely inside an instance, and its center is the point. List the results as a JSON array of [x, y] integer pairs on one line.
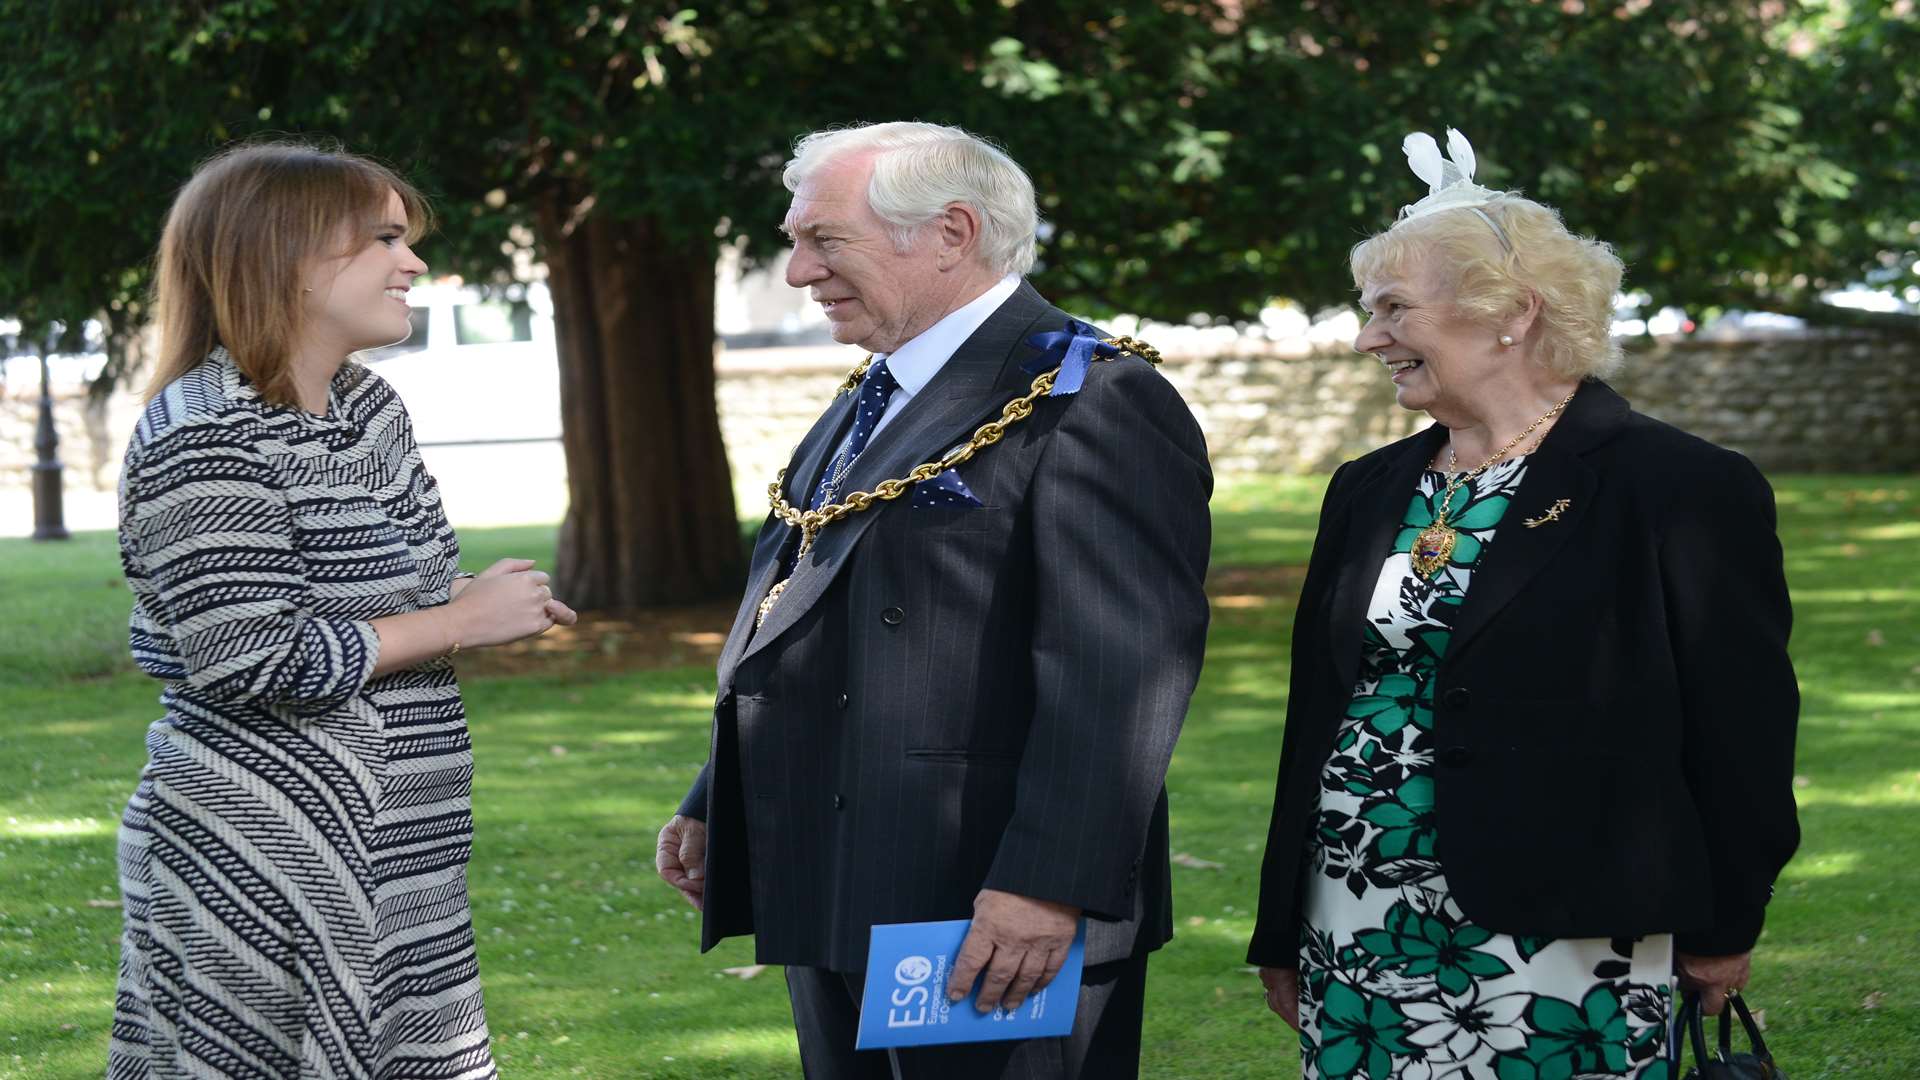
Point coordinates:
[[803, 474], [975, 381], [1379, 502], [1556, 471]]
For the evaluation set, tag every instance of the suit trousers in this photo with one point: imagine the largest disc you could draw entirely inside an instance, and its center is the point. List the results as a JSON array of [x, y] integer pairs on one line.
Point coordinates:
[[1103, 1045]]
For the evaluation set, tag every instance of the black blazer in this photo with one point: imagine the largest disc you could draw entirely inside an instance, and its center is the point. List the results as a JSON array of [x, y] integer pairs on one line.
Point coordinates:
[[1615, 712], [947, 697]]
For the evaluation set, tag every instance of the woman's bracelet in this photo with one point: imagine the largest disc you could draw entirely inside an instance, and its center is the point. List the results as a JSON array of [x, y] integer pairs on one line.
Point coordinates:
[[451, 632]]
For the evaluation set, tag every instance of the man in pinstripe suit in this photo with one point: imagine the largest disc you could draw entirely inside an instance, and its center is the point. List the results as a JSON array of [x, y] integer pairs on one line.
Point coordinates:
[[960, 702]]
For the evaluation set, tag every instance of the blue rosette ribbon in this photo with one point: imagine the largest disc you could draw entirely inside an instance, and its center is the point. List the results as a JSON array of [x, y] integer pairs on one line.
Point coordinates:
[[1072, 350]]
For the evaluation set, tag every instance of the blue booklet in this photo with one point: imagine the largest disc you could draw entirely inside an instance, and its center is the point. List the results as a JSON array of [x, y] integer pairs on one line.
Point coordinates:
[[905, 1000]]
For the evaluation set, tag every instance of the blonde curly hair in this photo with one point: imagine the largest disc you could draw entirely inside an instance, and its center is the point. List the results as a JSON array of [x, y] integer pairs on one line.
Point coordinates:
[[1576, 277]]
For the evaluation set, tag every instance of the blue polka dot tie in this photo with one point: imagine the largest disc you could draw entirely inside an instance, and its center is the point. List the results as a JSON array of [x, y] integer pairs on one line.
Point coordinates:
[[875, 389]]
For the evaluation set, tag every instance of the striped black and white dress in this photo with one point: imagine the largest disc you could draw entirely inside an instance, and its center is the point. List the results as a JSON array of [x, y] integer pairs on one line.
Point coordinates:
[[294, 860]]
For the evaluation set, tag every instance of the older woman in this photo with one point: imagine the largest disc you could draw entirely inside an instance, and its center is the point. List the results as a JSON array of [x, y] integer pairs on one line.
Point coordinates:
[[1539, 741], [294, 858]]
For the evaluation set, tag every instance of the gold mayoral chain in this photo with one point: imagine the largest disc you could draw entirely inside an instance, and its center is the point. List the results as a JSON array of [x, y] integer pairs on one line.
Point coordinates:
[[810, 522], [1434, 546]]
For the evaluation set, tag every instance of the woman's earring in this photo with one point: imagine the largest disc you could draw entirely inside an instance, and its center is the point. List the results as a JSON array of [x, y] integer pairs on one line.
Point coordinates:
[[1505, 339]]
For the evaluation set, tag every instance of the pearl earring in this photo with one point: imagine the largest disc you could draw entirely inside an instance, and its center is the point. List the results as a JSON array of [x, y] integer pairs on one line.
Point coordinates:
[[1507, 340]]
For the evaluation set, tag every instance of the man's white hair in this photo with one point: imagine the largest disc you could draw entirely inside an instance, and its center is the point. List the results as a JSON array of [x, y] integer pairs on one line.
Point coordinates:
[[919, 170]]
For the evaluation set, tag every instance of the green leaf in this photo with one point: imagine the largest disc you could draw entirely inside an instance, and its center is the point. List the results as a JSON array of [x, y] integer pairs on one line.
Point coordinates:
[[1485, 965], [1514, 1067], [1557, 1017], [1466, 550], [1529, 947], [1484, 514]]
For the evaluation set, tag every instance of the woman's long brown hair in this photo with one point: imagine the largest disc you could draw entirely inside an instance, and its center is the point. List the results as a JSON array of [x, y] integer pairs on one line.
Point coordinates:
[[238, 241]]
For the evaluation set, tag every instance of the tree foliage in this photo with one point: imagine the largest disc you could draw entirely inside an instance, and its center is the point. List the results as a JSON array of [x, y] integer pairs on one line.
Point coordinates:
[[1193, 156]]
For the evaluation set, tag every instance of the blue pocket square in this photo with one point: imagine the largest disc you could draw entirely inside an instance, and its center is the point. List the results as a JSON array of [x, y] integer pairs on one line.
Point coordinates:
[[947, 489]]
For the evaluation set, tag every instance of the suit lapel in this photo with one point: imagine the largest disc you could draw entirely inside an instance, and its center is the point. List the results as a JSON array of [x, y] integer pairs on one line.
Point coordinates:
[[803, 473], [974, 382], [1555, 471], [1378, 504]]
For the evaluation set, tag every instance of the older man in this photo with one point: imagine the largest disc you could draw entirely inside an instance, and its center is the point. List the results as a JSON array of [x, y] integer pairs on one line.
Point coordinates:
[[959, 702]]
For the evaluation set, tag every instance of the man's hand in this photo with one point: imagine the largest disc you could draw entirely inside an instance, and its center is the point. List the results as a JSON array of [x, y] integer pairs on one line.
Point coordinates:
[[1283, 993], [681, 858], [1020, 941], [1713, 976]]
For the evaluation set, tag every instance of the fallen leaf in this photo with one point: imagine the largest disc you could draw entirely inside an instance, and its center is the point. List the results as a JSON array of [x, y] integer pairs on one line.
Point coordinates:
[[1239, 601], [1873, 1000], [1196, 920], [748, 972], [557, 751], [1194, 862], [1802, 781], [103, 903], [1876, 638]]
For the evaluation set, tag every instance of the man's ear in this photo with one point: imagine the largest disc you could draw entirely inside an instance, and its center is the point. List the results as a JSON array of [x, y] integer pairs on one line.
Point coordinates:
[[958, 230]]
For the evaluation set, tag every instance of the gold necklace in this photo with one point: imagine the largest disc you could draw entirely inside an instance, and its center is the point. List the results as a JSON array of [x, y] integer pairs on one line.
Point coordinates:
[[810, 522], [1434, 546]]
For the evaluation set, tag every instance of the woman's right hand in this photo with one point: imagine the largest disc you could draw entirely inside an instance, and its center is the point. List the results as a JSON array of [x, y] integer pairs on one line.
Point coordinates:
[[506, 602], [1283, 993]]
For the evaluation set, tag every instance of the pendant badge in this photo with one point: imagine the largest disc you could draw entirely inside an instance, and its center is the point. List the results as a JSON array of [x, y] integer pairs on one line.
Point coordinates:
[[1432, 548]]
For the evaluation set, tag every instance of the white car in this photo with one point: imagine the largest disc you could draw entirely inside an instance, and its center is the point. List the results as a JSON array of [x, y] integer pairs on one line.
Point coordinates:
[[480, 366]]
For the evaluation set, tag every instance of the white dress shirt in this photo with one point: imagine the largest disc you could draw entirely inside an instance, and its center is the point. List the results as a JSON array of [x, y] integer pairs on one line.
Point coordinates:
[[916, 363]]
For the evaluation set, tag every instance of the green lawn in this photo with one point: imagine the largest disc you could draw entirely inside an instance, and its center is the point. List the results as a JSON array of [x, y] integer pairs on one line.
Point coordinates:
[[590, 962]]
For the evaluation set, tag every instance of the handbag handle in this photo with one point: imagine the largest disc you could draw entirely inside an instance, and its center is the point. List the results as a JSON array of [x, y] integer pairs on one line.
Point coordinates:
[[1754, 1040], [1696, 1031], [1691, 1014]]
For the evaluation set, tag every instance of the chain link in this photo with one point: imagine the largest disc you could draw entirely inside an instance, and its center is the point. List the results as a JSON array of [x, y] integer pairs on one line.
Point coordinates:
[[810, 522]]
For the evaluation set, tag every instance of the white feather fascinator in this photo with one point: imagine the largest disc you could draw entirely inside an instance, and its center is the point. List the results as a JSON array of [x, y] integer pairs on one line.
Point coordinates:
[[1449, 179]]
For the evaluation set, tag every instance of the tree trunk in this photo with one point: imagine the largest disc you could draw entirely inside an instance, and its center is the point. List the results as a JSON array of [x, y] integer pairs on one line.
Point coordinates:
[[650, 518]]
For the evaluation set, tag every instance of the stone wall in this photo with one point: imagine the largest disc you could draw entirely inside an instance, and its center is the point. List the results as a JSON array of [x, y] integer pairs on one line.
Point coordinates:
[[93, 433], [1825, 402], [1821, 402]]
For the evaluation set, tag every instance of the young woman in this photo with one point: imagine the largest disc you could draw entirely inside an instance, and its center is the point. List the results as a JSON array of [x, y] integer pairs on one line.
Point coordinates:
[[293, 862]]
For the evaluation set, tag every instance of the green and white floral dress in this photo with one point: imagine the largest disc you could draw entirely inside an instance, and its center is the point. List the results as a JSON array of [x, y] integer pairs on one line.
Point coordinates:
[[1395, 980]]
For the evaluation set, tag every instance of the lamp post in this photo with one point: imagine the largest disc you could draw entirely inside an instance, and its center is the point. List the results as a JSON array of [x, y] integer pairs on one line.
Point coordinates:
[[48, 513]]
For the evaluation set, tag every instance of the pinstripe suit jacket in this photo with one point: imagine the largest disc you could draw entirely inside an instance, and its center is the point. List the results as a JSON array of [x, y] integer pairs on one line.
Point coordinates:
[[950, 698]]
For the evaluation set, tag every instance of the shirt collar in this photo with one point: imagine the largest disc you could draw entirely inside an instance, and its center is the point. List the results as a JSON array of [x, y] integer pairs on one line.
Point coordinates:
[[915, 364]]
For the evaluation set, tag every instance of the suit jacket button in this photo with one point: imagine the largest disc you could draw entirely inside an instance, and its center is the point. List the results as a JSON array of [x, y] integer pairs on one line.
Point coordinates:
[[843, 701], [893, 616], [839, 801], [1457, 698], [1456, 757]]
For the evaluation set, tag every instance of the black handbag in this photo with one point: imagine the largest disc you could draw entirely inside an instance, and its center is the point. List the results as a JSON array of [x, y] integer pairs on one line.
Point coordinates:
[[1754, 1064]]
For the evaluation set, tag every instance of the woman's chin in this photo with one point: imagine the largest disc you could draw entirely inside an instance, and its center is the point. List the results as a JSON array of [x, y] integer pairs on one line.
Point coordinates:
[[1413, 398]]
